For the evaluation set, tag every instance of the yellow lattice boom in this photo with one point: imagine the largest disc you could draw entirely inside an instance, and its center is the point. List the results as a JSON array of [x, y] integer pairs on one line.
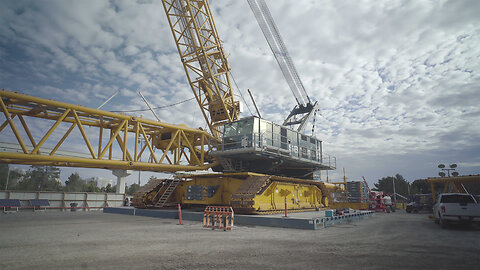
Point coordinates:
[[204, 60], [452, 184], [112, 141]]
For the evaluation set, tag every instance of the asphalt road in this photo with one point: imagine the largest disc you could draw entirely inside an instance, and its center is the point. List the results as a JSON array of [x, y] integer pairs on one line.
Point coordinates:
[[108, 241]]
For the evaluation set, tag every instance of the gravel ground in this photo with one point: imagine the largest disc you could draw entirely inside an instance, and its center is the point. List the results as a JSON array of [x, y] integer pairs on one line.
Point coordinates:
[[94, 240]]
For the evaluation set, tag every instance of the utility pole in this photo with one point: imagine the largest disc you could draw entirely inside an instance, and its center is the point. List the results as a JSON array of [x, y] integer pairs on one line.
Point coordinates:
[[394, 193], [8, 176]]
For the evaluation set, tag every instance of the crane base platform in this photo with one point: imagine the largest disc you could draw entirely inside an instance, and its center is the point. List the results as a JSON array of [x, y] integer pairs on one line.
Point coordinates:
[[305, 220]]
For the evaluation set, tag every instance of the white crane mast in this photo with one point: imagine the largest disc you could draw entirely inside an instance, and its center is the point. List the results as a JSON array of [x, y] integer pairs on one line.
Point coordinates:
[[304, 108]]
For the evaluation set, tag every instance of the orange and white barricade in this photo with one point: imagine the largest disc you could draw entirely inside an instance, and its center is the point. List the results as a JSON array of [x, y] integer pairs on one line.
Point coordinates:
[[220, 217]]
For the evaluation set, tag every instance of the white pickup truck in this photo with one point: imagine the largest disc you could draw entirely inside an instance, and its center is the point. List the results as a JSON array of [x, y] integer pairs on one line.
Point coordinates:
[[456, 207]]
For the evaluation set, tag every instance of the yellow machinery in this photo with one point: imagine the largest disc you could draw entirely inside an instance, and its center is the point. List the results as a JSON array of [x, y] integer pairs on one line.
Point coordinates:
[[106, 135], [204, 60], [452, 184], [342, 198], [113, 140], [245, 192]]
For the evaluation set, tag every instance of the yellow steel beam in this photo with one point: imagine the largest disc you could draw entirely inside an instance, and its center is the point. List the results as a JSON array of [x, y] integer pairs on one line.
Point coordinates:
[[174, 150], [50, 131], [125, 153], [63, 139], [84, 135], [455, 183], [22, 104], [19, 158], [112, 138], [204, 60], [147, 143], [100, 136], [460, 178], [124, 143], [12, 125], [168, 146], [27, 130], [137, 128], [5, 123]]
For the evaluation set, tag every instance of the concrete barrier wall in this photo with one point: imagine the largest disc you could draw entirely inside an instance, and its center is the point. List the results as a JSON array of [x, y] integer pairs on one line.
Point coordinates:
[[309, 223], [60, 201]]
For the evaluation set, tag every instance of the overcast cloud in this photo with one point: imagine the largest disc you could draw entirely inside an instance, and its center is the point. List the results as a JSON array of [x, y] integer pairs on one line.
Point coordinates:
[[397, 81]]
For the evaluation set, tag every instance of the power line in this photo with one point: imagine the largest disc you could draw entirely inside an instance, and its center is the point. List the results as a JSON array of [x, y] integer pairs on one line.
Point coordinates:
[[157, 108]]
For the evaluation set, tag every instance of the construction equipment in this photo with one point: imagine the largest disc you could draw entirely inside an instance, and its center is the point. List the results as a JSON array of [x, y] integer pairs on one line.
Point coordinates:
[[454, 184], [259, 163], [204, 61], [182, 148], [304, 108]]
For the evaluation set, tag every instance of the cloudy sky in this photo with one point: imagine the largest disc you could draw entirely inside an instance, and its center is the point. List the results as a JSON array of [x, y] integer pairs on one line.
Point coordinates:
[[398, 82]]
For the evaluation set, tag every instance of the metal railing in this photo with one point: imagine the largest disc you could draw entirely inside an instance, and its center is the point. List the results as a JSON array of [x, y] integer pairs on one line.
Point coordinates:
[[275, 145]]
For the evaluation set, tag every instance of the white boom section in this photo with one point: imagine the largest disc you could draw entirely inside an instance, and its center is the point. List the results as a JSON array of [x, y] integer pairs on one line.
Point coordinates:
[[305, 108]]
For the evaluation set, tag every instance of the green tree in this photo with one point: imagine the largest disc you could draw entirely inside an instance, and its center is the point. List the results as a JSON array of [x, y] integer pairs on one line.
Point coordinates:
[[132, 189], [110, 189], [41, 178], [91, 187], [386, 185], [14, 175], [74, 183], [420, 186]]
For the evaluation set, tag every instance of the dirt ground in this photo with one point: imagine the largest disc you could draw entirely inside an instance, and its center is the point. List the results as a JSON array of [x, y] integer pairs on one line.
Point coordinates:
[[94, 240]]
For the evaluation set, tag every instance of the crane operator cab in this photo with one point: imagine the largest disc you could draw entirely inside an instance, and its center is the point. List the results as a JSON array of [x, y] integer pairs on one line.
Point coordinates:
[[256, 145]]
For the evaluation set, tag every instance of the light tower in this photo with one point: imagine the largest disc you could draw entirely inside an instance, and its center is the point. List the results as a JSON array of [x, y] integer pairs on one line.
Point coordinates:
[[452, 168]]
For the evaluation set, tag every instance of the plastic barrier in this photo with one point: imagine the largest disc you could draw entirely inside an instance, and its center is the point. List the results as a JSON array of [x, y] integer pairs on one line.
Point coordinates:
[[220, 217]]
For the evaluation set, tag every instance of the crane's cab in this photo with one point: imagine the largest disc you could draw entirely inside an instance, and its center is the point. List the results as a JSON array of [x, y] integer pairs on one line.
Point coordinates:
[[257, 145]]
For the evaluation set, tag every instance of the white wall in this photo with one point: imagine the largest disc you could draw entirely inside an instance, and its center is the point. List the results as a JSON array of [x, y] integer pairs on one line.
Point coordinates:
[[63, 199]]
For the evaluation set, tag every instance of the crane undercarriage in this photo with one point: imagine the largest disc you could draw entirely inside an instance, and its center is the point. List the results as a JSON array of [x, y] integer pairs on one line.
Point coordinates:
[[248, 193]]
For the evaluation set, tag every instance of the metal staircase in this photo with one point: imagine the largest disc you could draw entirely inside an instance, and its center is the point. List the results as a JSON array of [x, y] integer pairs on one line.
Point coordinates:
[[171, 185]]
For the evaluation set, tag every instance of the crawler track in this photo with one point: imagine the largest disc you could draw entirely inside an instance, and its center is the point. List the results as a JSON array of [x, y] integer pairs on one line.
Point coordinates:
[[145, 196]]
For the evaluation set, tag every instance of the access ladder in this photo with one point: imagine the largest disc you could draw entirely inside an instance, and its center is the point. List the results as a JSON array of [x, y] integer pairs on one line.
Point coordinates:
[[171, 186]]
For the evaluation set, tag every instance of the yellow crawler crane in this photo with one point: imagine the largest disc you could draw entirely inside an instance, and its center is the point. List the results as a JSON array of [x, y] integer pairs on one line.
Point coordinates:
[[247, 145], [251, 193], [249, 154]]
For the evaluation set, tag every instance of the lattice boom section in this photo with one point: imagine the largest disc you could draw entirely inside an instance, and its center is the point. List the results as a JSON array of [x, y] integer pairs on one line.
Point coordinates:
[[45, 132], [203, 59]]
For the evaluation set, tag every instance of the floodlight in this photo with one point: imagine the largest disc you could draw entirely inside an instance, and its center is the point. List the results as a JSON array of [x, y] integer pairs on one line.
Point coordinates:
[[455, 173], [442, 174], [441, 166], [453, 165]]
